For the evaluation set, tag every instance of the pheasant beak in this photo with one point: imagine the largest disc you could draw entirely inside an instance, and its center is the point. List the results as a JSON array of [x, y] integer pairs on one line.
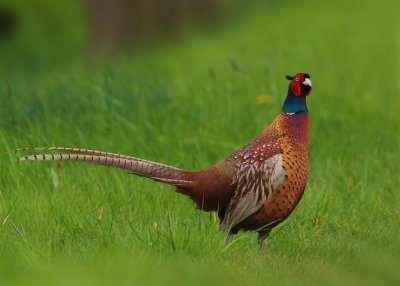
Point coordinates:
[[307, 82]]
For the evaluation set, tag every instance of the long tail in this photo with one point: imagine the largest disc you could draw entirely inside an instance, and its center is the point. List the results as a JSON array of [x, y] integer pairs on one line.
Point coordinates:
[[153, 170]]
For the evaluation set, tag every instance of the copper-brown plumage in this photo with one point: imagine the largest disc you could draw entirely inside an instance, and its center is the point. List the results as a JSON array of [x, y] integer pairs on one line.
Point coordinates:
[[255, 188]]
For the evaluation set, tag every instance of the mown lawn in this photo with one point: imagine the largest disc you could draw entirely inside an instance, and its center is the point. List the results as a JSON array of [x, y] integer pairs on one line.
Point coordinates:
[[190, 104]]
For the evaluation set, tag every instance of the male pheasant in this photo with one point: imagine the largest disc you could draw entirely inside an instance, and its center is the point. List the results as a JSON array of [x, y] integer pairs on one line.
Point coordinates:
[[255, 188]]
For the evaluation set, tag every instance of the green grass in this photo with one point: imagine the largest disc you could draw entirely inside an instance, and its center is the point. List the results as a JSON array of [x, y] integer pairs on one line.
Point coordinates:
[[183, 104]]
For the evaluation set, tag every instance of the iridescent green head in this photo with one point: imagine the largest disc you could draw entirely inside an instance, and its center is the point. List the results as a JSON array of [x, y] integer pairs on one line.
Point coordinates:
[[299, 88]]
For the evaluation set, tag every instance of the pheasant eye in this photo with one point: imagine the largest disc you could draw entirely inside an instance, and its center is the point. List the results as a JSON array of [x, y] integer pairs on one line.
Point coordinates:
[[297, 79]]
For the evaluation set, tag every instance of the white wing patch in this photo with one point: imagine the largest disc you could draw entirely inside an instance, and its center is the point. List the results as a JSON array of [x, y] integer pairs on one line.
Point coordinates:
[[255, 181]]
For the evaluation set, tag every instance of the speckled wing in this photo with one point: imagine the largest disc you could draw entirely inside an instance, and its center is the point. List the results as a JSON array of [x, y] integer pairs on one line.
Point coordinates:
[[255, 181]]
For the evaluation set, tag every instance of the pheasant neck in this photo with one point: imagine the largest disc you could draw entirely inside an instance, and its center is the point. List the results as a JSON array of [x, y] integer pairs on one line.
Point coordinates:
[[294, 104]]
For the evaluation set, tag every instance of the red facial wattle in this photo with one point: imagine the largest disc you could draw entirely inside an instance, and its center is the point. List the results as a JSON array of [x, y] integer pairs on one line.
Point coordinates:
[[296, 89], [296, 82]]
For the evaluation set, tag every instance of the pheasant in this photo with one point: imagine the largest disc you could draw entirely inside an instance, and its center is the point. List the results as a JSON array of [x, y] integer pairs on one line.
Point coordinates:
[[254, 189]]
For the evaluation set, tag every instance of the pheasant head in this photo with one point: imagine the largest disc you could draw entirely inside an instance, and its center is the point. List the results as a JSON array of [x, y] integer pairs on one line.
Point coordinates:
[[299, 88]]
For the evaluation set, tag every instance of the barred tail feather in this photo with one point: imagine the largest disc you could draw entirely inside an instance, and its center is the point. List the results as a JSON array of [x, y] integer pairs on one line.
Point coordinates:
[[80, 151], [153, 170]]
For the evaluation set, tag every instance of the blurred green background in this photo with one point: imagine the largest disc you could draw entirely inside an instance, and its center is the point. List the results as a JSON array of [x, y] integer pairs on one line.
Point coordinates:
[[187, 83]]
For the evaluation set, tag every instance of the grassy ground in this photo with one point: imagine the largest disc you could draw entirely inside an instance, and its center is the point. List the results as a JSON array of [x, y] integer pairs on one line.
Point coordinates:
[[190, 104]]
